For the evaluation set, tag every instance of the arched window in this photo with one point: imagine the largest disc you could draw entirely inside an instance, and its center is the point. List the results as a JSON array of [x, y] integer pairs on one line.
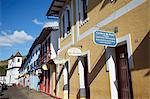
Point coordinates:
[[66, 22]]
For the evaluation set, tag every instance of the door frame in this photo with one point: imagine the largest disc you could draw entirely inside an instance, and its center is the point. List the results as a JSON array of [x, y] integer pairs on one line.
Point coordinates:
[[87, 55], [112, 64]]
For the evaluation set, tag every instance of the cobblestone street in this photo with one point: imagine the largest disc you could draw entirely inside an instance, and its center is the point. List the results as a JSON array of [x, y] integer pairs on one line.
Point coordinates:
[[22, 93]]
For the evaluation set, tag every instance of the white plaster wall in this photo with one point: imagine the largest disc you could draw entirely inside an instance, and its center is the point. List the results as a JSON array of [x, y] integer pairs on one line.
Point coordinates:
[[31, 78], [35, 55], [9, 63], [2, 79], [9, 72], [111, 63], [13, 73], [8, 75], [54, 43], [16, 63]]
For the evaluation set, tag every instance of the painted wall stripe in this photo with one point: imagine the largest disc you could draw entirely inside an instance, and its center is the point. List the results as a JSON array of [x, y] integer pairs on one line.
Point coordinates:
[[66, 46]]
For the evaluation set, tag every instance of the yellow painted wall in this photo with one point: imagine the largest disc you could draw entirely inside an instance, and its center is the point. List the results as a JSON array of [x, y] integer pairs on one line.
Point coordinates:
[[141, 84], [74, 80], [136, 23], [65, 41], [60, 84], [99, 10], [99, 88]]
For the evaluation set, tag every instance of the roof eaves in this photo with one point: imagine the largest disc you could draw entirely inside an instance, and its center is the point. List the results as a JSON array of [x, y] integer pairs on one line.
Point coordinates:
[[56, 4]]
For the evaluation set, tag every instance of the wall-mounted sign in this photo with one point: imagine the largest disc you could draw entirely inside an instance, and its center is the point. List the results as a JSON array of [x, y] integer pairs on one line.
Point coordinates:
[[74, 52], [104, 38], [59, 60], [45, 66]]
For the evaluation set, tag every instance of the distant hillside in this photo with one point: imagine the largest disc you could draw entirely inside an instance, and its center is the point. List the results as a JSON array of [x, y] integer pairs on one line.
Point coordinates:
[[3, 67], [4, 63]]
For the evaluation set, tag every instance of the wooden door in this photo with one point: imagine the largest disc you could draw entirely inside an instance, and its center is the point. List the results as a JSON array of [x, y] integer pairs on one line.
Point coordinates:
[[123, 73]]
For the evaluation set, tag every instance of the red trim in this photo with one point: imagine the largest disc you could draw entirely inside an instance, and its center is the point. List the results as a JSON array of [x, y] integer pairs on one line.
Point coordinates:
[[49, 86], [41, 87]]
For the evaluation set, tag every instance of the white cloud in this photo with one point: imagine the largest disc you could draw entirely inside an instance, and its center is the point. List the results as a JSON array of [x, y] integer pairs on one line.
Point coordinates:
[[18, 37], [36, 21]]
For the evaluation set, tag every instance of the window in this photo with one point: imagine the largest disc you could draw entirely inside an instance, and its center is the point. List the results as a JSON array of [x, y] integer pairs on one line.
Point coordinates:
[[82, 10], [63, 27], [45, 47], [66, 22], [68, 19], [18, 60], [36, 52]]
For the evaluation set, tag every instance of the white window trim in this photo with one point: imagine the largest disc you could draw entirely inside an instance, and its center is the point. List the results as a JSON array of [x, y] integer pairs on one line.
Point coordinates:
[[84, 21], [127, 39], [88, 59]]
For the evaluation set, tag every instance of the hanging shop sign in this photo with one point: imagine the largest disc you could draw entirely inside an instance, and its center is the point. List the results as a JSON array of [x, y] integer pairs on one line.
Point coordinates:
[[104, 38], [45, 66], [59, 60], [38, 72], [26, 75], [74, 52]]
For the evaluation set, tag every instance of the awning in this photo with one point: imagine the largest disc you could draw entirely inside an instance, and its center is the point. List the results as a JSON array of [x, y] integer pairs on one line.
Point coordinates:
[[55, 7]]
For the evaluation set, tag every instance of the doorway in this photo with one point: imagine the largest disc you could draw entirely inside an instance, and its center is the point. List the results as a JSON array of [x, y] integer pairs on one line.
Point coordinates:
[[123, 73], [86, 76], [68, 84]]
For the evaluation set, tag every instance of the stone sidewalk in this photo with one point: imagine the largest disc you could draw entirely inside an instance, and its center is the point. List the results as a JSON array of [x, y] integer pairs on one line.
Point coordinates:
[[23, 93]]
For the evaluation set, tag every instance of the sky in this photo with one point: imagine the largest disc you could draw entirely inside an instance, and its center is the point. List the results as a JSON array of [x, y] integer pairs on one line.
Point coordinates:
[[21, 21]]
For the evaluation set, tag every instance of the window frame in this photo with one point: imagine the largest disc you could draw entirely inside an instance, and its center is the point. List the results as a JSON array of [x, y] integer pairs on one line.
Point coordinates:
[[18, 60], [83, 14], [66, 22]]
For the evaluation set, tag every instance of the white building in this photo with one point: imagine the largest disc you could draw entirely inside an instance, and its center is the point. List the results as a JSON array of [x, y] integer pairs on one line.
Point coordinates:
[[33, 65], [14, 63]]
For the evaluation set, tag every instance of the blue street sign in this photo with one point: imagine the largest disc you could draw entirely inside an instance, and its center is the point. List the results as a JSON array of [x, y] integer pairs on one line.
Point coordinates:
[[104, 38]]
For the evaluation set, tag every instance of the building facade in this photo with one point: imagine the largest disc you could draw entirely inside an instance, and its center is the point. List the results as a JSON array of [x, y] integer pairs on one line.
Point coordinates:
[[38, 71], [49, 46], [34, 66], [100, 72], [14, 63]]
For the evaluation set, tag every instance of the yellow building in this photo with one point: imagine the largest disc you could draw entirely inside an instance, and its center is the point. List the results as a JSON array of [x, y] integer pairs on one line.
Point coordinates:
[[100, 72]]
